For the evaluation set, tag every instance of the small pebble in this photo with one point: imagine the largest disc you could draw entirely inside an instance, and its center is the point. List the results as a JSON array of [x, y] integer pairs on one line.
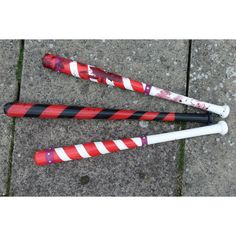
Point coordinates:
[[143, 124], [84, 180]]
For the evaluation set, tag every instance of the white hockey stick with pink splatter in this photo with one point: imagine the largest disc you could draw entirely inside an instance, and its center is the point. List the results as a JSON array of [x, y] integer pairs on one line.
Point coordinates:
[[101, 76]]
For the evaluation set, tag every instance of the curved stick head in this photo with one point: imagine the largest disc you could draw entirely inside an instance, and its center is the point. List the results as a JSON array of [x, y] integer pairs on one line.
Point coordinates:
[[226, 111], [224, 127]]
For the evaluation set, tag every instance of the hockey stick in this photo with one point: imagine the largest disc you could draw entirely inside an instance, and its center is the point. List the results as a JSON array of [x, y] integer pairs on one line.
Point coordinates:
[[101, 76], [46, 111], [86, 150]]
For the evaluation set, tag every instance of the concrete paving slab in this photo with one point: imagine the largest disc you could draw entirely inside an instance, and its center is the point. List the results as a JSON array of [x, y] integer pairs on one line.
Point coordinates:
[[9, 52], [144, 171], [210, 161], [5, 146]]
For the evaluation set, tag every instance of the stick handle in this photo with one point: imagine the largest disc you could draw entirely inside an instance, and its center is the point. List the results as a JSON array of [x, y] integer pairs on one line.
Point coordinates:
[[47, 111], [101, 76], [92, 149]]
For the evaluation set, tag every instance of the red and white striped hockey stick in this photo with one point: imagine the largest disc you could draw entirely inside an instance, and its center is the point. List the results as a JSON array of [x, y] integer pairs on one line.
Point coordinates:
[[101, 76], [86, 150]]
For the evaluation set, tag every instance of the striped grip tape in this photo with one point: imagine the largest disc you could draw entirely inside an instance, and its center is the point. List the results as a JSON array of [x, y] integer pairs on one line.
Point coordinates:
[[86, 150], [92, 73], [46, 111]]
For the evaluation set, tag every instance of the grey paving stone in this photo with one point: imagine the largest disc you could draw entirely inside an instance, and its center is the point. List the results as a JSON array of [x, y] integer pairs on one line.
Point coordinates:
[[9, 51], [145, 171], [6, 136], [210, 161]]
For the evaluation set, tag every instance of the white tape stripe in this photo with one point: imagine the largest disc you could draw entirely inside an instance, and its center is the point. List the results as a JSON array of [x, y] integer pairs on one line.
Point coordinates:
[[90, 72], [120, 144], [94, 80], [61, 153], [101, 148], [144, 86], [127, 83], [154, 91], [74, 69], [82, 151], [109, 82], [137, 141]]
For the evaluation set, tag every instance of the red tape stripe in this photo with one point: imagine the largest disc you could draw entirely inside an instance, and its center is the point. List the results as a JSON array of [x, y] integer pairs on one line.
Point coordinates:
[[149, 116], [83, 70], [110, 146], [119, 84], [18, 109], [170, 117], [129, 143], [122, 114], [88, 113], [137, 86], [72, 153], [53, 111], [91, 149]]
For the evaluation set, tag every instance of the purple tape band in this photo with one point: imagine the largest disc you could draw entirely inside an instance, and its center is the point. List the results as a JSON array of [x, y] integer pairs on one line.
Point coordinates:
[[144, 140], [49, 155], [147, 89], [58, 65]]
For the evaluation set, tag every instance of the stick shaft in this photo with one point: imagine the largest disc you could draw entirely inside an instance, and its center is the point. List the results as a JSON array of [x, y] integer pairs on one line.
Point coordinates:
[[87, 150], [101, 76], [47, 111]]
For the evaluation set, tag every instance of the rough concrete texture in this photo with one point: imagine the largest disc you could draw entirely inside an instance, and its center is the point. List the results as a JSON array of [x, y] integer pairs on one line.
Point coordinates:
[[9, 52], [210, 161], [144, 171], [6, 136]]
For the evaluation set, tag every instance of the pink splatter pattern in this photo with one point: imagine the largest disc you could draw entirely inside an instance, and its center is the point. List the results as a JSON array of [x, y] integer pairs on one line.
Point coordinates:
[[179, 98], [201, 105], [165, 94]]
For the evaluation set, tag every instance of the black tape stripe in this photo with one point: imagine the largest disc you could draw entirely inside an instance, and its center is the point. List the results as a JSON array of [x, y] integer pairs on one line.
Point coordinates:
[[137, 115], [161, 115], [70, 112], [193, 117], [105, 114], [36, 110]]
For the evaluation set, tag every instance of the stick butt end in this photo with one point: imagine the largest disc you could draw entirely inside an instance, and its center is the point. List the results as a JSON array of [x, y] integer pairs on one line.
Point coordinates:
[[224, 127], [40, 158], [226, 111], [7, 106]]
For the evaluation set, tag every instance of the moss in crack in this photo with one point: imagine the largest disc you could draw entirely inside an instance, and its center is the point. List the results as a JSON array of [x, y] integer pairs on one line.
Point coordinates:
[[19, 67], [180, 167], [181, 152], [8, 181]]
